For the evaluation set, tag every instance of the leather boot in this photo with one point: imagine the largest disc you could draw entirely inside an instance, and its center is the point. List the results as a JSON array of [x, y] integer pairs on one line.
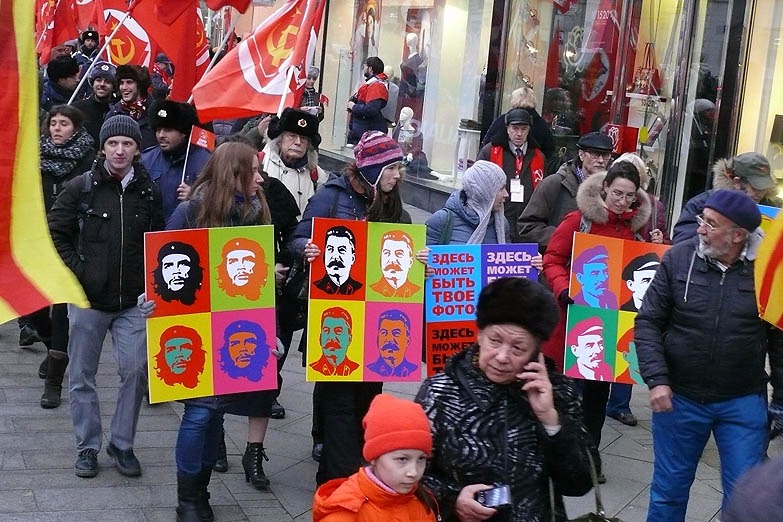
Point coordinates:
[[221, 464], [188, 493], [202, 504], [253, 464], [53, 386], [44, 367]]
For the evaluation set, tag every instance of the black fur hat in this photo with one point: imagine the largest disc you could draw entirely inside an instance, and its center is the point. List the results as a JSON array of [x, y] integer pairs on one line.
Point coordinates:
[[298, 122], [173, 115], [519, 301], [138, 74], [62, 67]]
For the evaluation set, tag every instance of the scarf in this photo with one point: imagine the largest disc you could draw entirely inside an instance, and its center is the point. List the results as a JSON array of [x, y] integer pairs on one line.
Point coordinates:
[[60, 160], [135, 109]]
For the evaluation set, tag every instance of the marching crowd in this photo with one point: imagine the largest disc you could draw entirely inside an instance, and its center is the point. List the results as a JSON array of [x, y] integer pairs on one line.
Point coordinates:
[[502, 433]]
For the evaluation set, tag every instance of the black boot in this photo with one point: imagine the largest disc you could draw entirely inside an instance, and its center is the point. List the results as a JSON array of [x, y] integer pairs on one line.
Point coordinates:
[[53, 386], [221, 464], [188, 497], [44, 367], [202, 503], [254, 469]]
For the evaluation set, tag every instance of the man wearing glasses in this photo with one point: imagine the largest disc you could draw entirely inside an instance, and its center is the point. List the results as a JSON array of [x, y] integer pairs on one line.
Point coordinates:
[[556, 195], [749, 172], [702, 351]]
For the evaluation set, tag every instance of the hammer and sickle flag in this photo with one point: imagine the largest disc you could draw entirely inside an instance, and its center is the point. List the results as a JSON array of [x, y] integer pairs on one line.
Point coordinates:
[[253, 77], [768, 273], [32, 274]]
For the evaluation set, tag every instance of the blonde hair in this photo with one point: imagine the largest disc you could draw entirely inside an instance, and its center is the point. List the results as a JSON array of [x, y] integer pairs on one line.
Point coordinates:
[[638, 162], [523, 98]]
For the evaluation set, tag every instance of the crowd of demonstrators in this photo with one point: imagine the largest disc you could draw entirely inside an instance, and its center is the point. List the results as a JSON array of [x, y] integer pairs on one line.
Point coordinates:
[[88, 50], [133, 83], [227, 193], [540, 131], [612, 205], [62, 77], [501, 416], [102, 79], [702, 351], [291, 154], [749, 172], [161, 77], [365, 106], [97, 224], [365, 190], [513, 149], [555, 196], [173, 164]]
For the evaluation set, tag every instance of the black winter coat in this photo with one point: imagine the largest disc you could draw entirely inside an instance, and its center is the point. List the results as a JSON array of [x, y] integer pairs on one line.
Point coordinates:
[[102, 241], [95, 112], [485, 433], [699, 332]]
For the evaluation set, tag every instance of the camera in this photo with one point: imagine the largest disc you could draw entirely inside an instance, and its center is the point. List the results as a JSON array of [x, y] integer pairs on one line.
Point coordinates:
[[496, 497]]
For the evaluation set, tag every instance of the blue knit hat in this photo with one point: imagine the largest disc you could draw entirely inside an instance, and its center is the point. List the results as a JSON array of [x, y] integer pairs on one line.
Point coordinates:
[[736, 206]]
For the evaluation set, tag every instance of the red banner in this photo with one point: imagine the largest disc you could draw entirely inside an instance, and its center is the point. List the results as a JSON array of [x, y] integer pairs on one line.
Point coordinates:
[[57, 25]]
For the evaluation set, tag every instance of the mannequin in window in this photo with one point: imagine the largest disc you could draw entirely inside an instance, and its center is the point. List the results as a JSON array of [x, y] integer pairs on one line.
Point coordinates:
[[389, 112], [409, 69], [410, 140]]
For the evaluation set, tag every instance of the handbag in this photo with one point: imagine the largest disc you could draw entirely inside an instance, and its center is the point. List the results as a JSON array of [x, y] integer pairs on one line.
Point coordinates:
[[600, 514], [647, 79], [294, 297]]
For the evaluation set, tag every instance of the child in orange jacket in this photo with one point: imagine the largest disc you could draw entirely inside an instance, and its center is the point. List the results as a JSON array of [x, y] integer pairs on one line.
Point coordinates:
[[397, 443]]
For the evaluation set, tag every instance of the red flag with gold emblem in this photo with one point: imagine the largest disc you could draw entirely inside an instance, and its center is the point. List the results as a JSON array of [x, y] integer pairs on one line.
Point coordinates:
[[32, 274], [57, 25], [768, 273], [132, 43], [253, 76]]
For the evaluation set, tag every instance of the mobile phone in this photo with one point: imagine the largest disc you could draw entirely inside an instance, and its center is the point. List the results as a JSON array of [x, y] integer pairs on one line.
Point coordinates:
[[495, 497]]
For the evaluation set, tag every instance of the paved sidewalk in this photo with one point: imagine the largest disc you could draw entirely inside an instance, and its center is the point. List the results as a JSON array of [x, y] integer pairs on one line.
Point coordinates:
[[37, 456]]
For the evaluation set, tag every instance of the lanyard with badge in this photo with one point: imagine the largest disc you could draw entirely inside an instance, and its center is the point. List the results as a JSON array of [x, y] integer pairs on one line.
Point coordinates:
[[517, 192]]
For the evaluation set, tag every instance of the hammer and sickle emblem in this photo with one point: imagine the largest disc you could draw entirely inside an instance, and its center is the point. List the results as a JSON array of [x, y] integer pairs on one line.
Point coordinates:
[[280, 52], [117, 52]]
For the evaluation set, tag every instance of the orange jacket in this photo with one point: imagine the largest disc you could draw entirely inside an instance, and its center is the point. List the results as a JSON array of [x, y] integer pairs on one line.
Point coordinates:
[[357, 498]]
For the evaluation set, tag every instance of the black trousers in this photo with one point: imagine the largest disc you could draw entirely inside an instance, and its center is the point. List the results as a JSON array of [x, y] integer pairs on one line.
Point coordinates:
[[595, 395], [341, 408]]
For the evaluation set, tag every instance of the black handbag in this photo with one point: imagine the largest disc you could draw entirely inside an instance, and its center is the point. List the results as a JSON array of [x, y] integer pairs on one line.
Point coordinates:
[[600, 514]]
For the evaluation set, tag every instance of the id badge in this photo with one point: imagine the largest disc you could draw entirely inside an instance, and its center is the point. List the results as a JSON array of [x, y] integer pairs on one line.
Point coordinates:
[[517, 191]]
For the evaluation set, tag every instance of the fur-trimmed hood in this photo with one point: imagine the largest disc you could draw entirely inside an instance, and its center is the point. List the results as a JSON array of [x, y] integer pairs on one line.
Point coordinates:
[[591, 204], [721, 177]]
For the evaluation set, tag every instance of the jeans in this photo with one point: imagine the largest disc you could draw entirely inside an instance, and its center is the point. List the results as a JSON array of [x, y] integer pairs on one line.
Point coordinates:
[[679, 436], [88, 329], [198, 439], [619, 399]]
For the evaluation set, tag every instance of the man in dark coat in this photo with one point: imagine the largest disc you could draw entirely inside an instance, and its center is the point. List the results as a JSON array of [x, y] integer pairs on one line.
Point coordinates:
[[133, 84], [62, 77], [365, 106], [103, 81]]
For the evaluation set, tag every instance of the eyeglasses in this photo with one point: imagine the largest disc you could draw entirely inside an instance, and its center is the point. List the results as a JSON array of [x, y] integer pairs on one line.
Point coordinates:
[[628, 197], [597, 154], [706, 224]]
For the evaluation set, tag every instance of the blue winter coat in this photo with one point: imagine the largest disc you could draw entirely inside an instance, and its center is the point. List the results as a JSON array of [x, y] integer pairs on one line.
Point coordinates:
[[165, 171], [464, 221], [335, 199]]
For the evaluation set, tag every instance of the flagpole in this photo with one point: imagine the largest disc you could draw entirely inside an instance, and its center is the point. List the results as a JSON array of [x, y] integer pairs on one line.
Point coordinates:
[[103, 49], [187, 153], [214, 60], [287, 87]]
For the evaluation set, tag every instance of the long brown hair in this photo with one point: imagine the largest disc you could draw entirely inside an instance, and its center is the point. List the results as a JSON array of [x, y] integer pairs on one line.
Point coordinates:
[[216, 188], [385, 207]]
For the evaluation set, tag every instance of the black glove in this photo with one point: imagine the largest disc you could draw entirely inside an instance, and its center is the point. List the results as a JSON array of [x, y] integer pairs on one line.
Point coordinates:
[[775, 416], [564, 299]]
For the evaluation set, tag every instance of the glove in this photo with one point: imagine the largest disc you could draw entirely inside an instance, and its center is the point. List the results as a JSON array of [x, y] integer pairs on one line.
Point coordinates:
[[775, 415], [564, 299], [146, 307]]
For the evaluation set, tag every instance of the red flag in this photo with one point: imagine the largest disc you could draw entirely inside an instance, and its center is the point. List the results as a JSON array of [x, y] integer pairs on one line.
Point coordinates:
[[239, 5], [252, 77], [132, 43], [85, 14], [203, 138], [57, 27], [183, 40]]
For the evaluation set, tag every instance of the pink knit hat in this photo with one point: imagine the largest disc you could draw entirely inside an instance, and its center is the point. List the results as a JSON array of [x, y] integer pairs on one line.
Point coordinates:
[[375, 151]]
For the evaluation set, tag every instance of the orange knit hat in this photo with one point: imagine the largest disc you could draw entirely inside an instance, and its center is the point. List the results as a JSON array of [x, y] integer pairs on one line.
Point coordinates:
[[395, 424]]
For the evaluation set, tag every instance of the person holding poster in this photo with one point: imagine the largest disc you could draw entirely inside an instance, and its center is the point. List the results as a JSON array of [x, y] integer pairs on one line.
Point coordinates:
[[612, 205], [227, 193], [367, 189], [499, 416]]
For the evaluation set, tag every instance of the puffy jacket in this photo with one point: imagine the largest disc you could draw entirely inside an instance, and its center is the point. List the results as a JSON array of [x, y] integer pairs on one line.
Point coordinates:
[[298, 180], [366, 113], [358, 498], [102, 240], [721, 179], [699, 331], [165, 171], [486, 433], [464, 221], [540, 131], [553, 199], [557, 258], [534, 161], [336, 199]]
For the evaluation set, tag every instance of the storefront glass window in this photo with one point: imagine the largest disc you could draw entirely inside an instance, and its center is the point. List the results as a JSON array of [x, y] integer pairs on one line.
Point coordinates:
[[434, 52]]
